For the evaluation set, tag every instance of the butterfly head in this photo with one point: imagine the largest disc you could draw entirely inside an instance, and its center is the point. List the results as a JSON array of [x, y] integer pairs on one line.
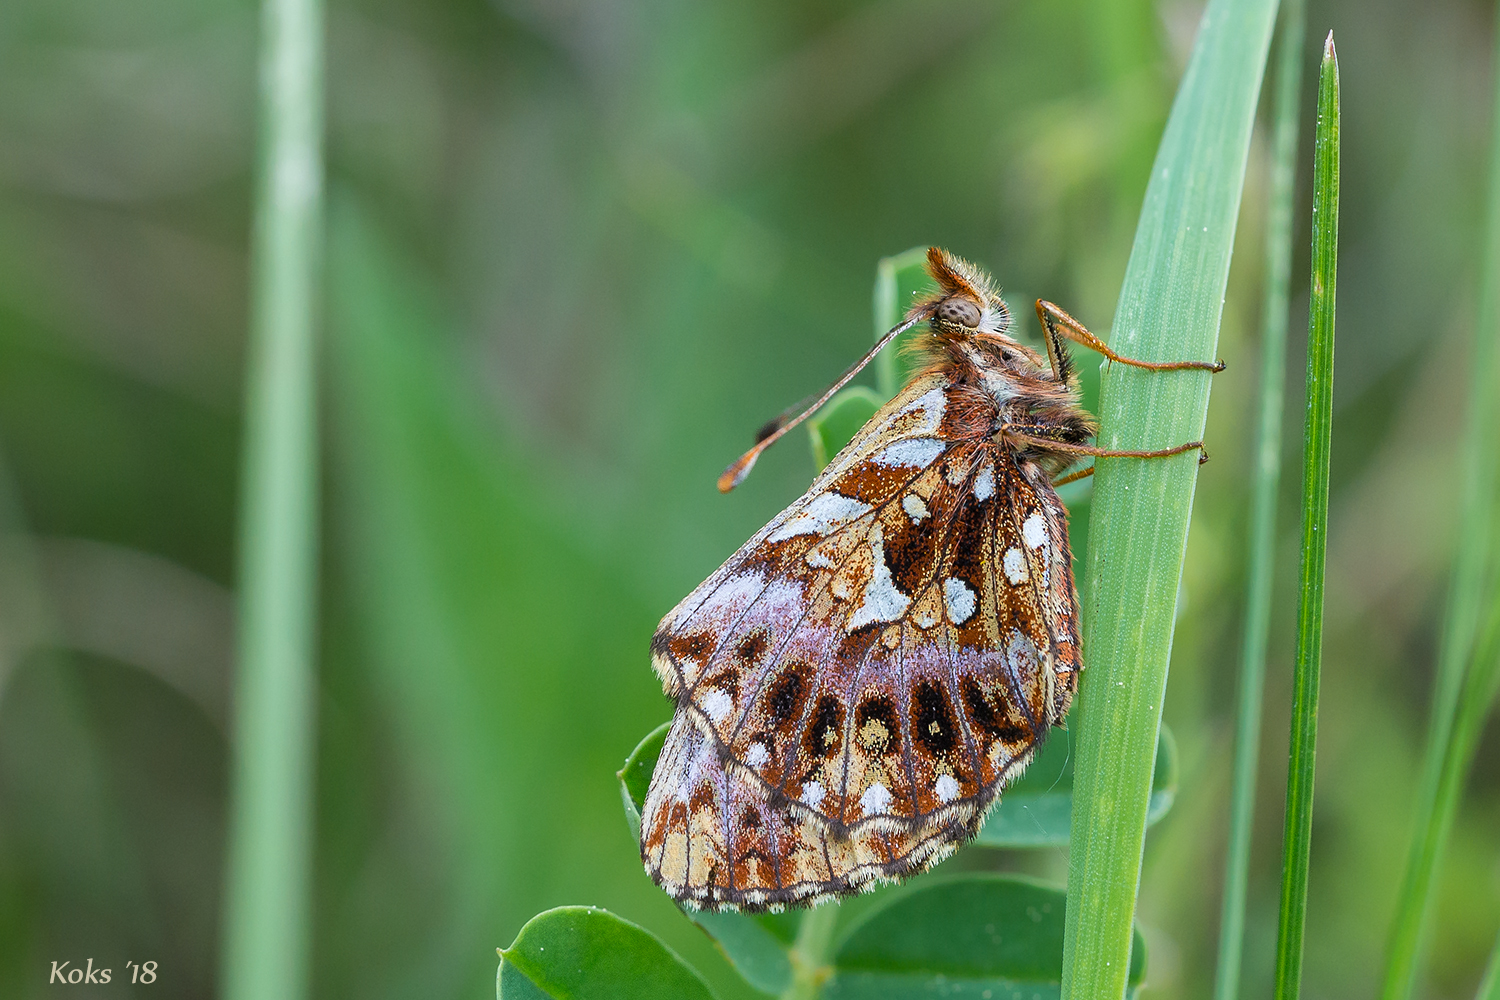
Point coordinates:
[[967, 302]]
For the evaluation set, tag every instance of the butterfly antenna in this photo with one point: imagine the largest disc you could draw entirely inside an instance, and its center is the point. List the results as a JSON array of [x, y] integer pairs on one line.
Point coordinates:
[[772, 432]]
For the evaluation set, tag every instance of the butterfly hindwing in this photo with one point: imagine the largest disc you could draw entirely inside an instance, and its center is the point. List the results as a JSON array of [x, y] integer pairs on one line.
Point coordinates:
[[714, 836]]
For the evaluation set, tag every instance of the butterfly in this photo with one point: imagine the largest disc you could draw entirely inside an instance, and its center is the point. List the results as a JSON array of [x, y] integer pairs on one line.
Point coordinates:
[[857, 684]]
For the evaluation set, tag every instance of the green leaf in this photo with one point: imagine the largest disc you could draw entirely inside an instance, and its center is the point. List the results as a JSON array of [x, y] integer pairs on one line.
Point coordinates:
[[1169, 309], [1317, 448], [512, 984], [1489, 983], [757, 944], [839, 420], [584, 953], [635, 776], [975, 935], [898, 280], [1036, 811]]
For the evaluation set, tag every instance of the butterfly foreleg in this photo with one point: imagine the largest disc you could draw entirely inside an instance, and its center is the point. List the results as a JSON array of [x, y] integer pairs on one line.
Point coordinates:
[[1057, 324]]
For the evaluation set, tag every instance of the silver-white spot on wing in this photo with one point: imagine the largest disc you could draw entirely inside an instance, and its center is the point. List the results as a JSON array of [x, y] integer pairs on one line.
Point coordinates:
[[984, 483], [875, 799], [958, 599], [757, 754], [882, 602], [916, 452], [946, 788], [812, 793], [931, 404], [914, 507], [1034, 531], [1014, 564], [716, 704], [825, 513]]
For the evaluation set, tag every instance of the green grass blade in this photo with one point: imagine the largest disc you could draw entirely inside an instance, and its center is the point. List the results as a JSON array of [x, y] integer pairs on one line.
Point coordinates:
[[1489, 985], [270, 826], [1169, 308], [1475, 701], [1286, 116], [1318, 437], [1465, 597]]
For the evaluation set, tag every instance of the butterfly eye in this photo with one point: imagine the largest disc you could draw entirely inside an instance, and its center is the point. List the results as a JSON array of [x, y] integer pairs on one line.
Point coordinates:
[[964, 312]]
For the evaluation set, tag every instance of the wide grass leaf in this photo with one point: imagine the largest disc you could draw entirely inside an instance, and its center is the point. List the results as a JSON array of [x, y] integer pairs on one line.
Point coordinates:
[[585, 953], [1169, 309]]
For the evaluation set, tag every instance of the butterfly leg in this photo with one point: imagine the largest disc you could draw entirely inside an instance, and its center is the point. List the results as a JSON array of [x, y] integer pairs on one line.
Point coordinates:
[[1073, 477], [1057, 324], [1044, 437]]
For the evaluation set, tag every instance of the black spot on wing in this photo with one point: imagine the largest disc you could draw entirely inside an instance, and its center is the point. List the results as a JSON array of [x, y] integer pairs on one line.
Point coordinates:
[[931, 721], [825, 733], [993, 716], [789, 693]]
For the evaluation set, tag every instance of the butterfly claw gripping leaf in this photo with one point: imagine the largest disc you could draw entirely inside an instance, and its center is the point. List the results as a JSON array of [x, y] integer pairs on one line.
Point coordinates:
[[860, 680]]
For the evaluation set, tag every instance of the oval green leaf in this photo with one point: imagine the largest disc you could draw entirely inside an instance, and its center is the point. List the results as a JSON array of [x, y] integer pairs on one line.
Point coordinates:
[[635, 776], [979, 935], [585, 953], [1037, 810], [839, 420]]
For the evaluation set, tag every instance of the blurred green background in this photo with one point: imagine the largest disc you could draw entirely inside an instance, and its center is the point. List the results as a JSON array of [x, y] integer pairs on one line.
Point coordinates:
[[578, 252]]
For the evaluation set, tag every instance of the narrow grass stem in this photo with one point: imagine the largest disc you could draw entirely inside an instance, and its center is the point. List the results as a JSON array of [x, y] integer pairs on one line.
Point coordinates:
[[1170, 305], [1286, 116], [1318, 437], [266, 902], [1472, 560]]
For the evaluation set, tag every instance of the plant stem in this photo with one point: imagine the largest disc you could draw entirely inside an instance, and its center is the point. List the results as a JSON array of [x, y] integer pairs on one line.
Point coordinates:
[[810, 952], [1465, 597], [1286, 117], [1318, 437], [266, 904], [1170, 305]]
